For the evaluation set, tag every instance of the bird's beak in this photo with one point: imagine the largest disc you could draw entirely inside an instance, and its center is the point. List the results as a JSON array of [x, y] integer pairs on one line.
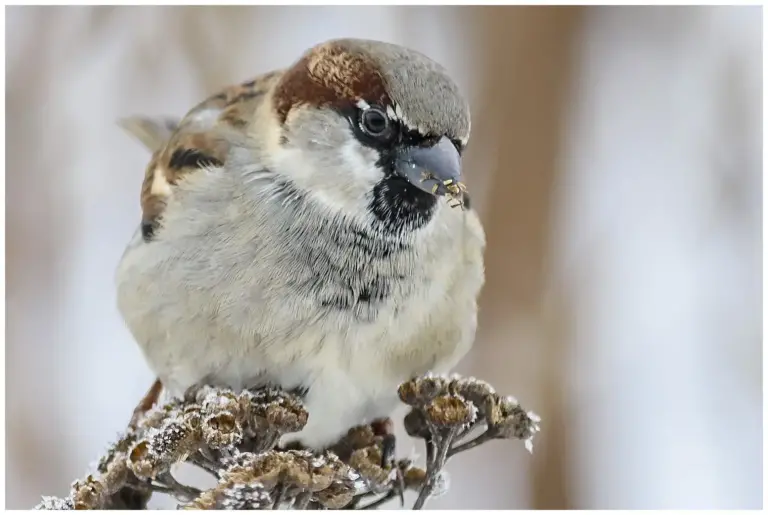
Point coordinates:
[[435, 169]]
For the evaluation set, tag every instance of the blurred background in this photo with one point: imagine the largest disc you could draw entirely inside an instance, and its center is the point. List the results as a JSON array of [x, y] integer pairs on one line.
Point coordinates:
[[615, 160]]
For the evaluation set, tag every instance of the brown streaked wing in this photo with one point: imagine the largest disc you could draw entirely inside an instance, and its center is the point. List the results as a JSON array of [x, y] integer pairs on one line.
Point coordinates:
[[196, 144]]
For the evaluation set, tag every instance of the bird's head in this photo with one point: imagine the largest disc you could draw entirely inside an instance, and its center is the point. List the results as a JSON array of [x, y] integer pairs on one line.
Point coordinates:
[[373, 129]]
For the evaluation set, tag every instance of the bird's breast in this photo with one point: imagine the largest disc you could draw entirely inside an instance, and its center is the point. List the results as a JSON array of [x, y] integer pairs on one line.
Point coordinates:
[[238, 295]]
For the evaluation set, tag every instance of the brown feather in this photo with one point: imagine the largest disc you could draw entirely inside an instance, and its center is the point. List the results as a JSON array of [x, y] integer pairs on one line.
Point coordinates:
[[329, 75], [195, 143]]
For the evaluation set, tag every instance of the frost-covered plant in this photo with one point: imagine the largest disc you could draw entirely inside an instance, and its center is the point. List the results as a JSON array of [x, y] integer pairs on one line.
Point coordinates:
[[234, 436]]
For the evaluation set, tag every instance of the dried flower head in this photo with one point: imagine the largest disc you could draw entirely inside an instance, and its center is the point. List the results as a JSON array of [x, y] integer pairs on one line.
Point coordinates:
[[221, 429], [475, 391], [264, 468], [162, 447], [337, 496], [87, 493], [521, 425], [116, 451], [415, 423], [367, 462], [215, 399], [326, 469], [421, 390], [297, 471], [413, 477], [233, 436], [274, 409], [450, 411]]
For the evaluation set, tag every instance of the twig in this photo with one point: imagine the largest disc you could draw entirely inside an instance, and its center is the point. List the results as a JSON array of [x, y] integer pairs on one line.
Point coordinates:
[[430, 446], [162, 489], [279, 492], [302, 501], [464, 433], [434, 468], [381, 500], [205, 463], [183, 493], [465, 446]]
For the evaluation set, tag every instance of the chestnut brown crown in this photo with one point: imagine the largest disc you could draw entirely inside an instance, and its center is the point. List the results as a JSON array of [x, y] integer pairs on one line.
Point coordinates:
[[342, 73]]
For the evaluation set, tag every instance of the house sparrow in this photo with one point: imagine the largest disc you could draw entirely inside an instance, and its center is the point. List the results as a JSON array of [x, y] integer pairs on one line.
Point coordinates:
[[298, 231]]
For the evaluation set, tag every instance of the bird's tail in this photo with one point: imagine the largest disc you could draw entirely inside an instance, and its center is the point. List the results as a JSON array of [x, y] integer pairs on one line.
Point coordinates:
[[152, 132]]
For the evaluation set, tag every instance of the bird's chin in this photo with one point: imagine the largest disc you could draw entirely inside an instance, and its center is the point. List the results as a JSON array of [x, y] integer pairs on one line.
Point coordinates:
[[400, 206]]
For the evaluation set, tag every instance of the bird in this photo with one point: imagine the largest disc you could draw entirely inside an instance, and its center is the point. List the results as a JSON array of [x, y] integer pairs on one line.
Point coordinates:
[[301, 230]]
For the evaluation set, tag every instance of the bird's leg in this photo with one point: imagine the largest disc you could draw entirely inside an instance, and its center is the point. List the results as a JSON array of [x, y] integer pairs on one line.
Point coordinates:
[[146, 403], [384, 427]]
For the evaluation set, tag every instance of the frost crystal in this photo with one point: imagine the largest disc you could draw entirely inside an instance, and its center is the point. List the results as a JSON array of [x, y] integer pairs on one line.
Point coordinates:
[[442, 484], [529, 445], [55, 503], [244, 497], [472, 413]]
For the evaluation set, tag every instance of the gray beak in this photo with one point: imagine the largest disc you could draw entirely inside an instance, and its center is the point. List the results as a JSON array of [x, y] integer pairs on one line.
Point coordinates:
[[428, 168]]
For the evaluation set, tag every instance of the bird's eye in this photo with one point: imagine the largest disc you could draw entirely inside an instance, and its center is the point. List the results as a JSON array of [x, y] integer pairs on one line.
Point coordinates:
[[374, 122]]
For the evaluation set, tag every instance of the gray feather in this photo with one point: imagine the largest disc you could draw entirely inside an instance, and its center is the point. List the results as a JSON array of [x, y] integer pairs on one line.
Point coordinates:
[[430, 100]]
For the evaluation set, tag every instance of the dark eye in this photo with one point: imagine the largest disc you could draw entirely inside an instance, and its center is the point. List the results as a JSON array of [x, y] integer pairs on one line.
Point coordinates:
[[374, 122]]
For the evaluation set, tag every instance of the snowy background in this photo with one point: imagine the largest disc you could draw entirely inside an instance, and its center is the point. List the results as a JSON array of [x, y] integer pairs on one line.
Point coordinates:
[[616, 160]]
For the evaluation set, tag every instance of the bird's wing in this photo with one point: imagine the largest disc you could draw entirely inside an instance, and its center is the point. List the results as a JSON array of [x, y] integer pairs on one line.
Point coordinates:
[[181, 147]]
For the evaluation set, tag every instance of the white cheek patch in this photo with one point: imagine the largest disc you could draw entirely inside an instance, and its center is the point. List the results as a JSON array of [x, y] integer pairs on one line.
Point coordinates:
[[360, 161], [293, 163], [341, 183]]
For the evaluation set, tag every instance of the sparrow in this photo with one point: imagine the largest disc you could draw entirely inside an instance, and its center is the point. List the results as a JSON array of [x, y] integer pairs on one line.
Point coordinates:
[[308, 229]]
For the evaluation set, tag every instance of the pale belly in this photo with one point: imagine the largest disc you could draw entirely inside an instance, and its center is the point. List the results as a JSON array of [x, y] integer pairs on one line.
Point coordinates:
[[345, 378], [350, 368]]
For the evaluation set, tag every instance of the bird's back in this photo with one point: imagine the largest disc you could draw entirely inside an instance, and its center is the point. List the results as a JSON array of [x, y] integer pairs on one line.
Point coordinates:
[[196, 141]]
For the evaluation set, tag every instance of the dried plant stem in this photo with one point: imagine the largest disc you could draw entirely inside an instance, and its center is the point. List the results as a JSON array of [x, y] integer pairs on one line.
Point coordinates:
[[302, 501], [280, 490], [464, 433], [437, 463], [162, 489], [485, 437], [381, 500], [206, 464], [430, 445], [181, 492]]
